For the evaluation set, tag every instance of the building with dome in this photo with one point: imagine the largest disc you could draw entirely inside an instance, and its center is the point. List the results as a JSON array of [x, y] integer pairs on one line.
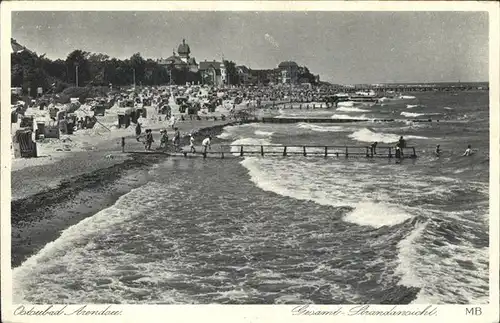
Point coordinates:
[[180, 61]]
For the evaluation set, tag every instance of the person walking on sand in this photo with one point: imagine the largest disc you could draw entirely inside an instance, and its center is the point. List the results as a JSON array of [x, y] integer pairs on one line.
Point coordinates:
[[164, 139], [149, 139], [191, 144], [138, 131], [206, 144], [177, 139], [172, 121]]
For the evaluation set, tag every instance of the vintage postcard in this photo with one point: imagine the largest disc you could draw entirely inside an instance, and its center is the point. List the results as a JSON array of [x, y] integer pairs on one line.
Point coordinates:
[[194, 161]]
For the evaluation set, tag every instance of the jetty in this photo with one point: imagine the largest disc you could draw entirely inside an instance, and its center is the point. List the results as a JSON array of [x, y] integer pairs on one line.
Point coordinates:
[[334, 120], [238, 151]]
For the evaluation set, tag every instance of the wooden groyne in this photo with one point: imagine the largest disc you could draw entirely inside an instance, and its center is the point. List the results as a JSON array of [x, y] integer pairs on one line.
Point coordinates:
[[231, 151], [333, 120]]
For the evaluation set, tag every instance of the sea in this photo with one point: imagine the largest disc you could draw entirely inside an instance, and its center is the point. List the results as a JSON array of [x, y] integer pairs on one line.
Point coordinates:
[[294, 230]]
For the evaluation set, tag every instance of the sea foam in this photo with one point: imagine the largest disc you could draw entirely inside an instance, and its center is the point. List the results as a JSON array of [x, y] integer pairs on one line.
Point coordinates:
[[351, 109], [367, 135], [346, 116], [411, 114], [317, 128], [269, 175]]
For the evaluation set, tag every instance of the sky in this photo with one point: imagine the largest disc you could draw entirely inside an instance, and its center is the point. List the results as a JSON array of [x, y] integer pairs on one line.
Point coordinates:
[[342, 47]]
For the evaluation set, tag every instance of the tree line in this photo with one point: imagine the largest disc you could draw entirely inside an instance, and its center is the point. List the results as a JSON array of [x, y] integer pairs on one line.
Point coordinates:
[[30, 71]]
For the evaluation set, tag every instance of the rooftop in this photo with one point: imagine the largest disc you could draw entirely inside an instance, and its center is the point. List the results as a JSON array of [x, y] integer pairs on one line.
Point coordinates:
[[288, 64]]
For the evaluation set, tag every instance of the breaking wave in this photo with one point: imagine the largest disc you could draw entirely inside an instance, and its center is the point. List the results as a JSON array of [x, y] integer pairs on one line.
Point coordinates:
[[351, 109], [346, 116], [314, 127], [367, 135]]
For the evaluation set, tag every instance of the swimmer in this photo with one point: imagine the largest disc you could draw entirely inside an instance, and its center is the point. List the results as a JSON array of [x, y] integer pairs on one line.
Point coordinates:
[[373, 147], [398, 154], [468, 151], [206, 144], [191, 144], [437, 151], [402, 142]]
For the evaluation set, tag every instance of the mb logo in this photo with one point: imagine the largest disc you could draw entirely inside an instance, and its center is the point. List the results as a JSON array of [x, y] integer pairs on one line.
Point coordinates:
[[473, 311]]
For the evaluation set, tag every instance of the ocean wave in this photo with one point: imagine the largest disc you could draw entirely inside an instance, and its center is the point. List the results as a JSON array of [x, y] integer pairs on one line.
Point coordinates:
[[411, 106], [351, 109], [366, 135], [376, 214], [225, 135], [406, 253], [411, 114], [346, 116], [452, 271], [407, 97], [79, 237], [232, 131], [339, 192], [263, 133], [248, 141], [314, 127], [345, 104]]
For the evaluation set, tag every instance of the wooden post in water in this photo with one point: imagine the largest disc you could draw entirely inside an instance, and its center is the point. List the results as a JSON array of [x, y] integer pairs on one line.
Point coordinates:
[[390, 152], [326, 151], [414, 153], [346, 152], [284, 151], [304, 148], [262, 150], [241, 151], [123, 144]]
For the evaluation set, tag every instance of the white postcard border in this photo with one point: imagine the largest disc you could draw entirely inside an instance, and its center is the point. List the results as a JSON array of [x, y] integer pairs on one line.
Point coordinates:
[[252, 313]]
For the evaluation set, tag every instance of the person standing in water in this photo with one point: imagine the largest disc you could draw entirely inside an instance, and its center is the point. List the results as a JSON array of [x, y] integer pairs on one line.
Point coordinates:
[[468, 151], [438, 151], [206, 144], [191, 144], [402, 142], [373, 148]]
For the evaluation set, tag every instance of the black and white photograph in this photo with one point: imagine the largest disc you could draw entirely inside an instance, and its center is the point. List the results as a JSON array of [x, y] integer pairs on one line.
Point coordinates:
[[246, 157]]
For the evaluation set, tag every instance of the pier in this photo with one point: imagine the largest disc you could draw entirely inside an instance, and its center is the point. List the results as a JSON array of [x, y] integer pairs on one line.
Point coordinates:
[[334, 120], [235, 151]]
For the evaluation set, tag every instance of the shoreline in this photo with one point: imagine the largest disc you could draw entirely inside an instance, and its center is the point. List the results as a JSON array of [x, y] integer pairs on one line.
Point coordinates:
[[38, 219]]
